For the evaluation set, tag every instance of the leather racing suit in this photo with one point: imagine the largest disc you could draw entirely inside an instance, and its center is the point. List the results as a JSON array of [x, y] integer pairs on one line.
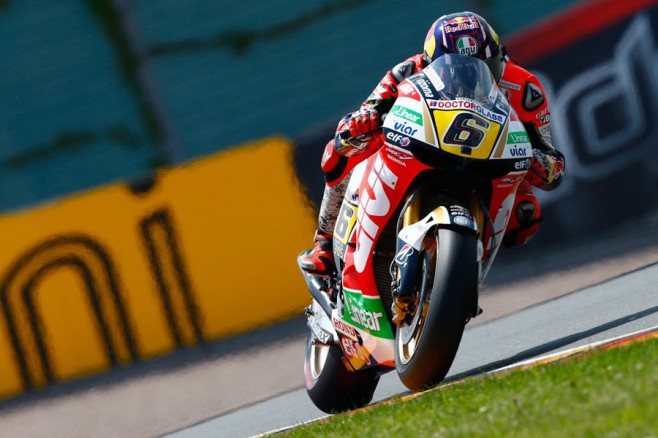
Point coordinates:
[[525, 94]]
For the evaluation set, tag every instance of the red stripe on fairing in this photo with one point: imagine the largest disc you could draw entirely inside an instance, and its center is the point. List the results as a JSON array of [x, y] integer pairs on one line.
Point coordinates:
[[577, 22]]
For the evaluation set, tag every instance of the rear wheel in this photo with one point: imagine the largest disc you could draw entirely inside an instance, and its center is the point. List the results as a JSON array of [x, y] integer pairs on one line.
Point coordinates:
[[427, 341], [331, 387]]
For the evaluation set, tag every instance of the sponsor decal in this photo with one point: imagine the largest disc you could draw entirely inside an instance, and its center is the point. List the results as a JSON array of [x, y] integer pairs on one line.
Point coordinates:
[[404, 254], [319, 334], [517, 137], [404, 128], [457, 210], [522, 165], [543, 116], [397, 139], [407, 114], [502, 185], [460, 23], [369, 320], [533, 97], [402, 155], [424, 87], [467, 45], [394, 137], [362, 317], [518, 152], [461, 216], [357, 355], [344, 328], [511, 179], [434, 79], [407, 88], [510, 85], [467, 105], [373, 205], [396, 160], [398, 156], [366, 313], [459, 19]]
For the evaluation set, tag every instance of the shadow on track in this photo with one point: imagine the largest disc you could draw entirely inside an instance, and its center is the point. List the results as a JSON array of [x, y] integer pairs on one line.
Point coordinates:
[[552, 345]]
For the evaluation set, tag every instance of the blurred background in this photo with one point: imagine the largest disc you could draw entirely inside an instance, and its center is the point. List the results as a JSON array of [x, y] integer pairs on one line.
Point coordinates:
[[215, 114], [98, 91]]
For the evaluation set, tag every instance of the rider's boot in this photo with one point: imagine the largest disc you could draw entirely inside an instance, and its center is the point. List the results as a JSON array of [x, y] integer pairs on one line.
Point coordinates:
[[319, 260]]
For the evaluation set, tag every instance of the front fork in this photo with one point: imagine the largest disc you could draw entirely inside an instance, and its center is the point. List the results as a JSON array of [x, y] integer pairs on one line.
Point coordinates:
[[413, 232]]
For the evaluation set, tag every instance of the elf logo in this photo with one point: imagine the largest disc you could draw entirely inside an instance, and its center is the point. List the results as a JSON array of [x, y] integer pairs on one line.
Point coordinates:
[[397, 139]]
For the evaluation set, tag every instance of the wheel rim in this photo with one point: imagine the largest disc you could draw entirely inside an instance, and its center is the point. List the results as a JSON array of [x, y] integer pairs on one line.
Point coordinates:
[[317, 358], [409, 334]]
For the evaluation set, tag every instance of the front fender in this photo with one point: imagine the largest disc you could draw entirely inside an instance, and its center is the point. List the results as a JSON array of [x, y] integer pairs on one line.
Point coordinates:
[[442, 216], [411, 237]]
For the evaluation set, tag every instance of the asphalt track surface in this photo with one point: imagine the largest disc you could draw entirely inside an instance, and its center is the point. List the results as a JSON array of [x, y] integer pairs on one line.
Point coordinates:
[[618, 307], [535, 303]]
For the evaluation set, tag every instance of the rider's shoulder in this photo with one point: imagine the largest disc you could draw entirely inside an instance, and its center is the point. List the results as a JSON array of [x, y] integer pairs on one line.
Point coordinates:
[[407, 68], [516, 74]]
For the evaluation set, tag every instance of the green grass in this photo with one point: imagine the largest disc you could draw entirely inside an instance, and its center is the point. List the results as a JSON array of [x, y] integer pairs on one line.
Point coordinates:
[[606, 393]]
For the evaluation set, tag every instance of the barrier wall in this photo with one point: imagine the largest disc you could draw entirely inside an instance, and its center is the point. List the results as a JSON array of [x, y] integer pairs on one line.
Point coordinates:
[[127, 86], [598, 64], [113, 276], [121, 274]]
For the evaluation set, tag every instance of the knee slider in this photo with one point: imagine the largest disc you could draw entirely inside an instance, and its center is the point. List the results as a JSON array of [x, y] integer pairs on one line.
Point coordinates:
[[527, 225], [525, 214]]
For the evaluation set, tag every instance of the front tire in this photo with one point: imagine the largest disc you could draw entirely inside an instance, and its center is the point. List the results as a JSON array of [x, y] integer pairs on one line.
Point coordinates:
[[331, 387], [426, 342]]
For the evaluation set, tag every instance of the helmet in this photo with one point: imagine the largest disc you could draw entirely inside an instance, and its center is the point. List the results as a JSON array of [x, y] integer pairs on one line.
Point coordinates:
[[465, 33]]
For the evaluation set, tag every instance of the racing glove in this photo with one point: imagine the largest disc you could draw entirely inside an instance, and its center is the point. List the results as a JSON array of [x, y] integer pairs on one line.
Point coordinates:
[[355, 131], [546, 169]]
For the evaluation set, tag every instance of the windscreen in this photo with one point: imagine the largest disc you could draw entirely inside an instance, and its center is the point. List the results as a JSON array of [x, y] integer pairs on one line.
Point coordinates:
[[464, 77]]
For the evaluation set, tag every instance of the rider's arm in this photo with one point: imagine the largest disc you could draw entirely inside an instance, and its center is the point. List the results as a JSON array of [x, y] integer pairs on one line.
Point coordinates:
[[355, 140], [529, 100], [384, 94]]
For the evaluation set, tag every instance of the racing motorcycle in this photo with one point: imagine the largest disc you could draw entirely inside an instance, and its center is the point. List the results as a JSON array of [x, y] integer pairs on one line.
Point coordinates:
[[418, 230]]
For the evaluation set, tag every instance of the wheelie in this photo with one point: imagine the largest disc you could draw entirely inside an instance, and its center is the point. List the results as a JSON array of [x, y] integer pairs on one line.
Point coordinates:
[[427, 198]]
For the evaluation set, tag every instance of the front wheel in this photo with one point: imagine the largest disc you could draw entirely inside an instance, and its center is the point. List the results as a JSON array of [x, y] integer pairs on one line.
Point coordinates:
[[331, 387], [427, 341]]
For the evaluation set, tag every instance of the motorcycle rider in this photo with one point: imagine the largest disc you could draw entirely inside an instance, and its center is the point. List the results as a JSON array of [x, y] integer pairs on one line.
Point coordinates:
[[357, 136]]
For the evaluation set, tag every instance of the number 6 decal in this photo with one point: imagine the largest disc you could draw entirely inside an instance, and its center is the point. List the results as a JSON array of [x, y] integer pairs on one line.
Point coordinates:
[[466, 130]]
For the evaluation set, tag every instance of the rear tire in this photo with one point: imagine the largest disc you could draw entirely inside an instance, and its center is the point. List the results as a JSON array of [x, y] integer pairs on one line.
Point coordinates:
[[426, 343], [331, 387]]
